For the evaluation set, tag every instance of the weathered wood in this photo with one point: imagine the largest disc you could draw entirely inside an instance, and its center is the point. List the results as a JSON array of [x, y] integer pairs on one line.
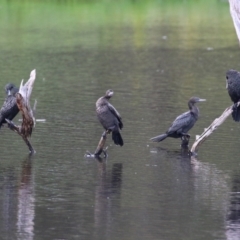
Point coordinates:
[[208, 131], [235, 14], [23, 102]]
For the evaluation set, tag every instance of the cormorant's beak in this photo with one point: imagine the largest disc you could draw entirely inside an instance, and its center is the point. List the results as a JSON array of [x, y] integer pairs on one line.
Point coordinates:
[[9, 92], [202, 100], [226, 84]]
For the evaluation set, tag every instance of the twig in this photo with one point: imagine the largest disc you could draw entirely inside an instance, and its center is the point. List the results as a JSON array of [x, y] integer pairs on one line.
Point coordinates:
[[208, 131]]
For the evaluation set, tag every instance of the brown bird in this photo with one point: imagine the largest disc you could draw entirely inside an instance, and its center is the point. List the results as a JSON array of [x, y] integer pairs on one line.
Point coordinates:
[[109, 117]]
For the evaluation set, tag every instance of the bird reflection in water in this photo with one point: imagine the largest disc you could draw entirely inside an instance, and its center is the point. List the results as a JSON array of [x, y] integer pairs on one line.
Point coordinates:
[[107, 197], [18, 202], [233, 216], [26, 202], [9, 201]]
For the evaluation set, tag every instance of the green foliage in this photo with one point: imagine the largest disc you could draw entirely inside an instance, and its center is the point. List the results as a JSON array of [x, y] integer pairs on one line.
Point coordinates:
[[61, 22]]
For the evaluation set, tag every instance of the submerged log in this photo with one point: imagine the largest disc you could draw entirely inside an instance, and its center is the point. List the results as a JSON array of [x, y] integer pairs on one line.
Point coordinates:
[[23, 103], [208, 131]]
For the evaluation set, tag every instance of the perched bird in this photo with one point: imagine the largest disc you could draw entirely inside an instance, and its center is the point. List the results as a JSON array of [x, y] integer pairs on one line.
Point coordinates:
[[9, 109], [21, 100], [11, 89], [233, 87], [183, 123], [109, 117]]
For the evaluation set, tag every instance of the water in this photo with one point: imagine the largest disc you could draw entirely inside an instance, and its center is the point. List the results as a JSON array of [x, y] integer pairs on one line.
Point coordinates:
[[155, 56]]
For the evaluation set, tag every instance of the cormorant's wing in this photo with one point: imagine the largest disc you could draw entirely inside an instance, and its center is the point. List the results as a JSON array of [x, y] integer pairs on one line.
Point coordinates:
[[116, 114], [181, 122], [9, 109]]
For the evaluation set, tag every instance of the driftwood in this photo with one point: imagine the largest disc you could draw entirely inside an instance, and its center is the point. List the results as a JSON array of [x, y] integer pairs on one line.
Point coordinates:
[[28, 120], [208, 131]]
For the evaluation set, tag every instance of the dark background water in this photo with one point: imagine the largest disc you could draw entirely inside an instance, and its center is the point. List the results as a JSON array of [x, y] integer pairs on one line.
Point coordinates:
[[155, 55]]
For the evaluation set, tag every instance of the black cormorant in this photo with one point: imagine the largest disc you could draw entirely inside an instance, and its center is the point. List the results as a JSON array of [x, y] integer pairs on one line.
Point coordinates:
[[9, 109], [233, 87], [109, 117], [183, 123]]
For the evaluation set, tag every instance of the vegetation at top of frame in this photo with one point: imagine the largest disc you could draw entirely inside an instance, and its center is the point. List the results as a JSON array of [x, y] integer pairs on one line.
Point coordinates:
[[94, 18], [62, 12]]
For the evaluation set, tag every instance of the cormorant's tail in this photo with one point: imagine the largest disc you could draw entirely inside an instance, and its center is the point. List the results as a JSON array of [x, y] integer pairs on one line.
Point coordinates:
[[117, 138], [1, 122], [236, 113], [159, 138]]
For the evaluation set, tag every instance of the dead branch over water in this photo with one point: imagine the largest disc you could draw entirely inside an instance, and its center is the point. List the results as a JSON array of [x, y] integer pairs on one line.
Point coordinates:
[[208, 131]]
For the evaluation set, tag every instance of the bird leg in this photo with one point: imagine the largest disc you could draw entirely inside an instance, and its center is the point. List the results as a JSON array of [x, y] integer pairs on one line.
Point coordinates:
[[99, 150], [185, 139], [17, 129], [235, 106], [12, 126]]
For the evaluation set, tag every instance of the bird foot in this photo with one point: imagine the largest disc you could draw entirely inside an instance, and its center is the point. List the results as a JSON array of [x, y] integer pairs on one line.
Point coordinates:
[[31, 151], [186, 136], [184, 144], [89, 155], [97, 155], [185, 140], [234, 107]]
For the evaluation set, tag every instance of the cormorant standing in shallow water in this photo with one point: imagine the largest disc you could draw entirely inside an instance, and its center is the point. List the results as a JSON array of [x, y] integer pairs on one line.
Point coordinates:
[[183, 123], [233, 87], [109, 117], [9, 109]]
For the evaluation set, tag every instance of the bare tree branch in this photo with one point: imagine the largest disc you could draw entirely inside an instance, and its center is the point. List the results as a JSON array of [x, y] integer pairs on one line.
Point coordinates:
[[208, 131]]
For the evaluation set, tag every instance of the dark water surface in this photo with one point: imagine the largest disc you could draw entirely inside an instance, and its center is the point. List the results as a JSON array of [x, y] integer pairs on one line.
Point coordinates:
[[155, 56]]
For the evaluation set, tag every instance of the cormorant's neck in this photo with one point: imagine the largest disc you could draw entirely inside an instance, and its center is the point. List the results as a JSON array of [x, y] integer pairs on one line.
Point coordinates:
[[193, 109], [107, 97]]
